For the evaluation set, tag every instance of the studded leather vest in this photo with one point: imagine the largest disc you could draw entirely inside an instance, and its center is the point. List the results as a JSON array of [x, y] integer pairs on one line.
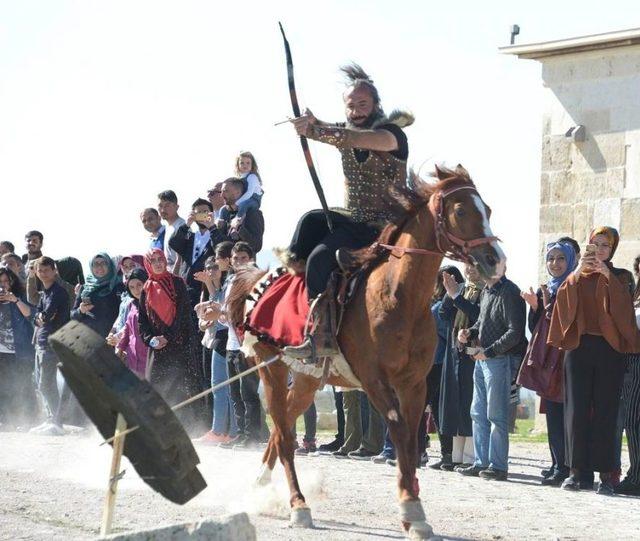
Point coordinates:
[[369, 184]]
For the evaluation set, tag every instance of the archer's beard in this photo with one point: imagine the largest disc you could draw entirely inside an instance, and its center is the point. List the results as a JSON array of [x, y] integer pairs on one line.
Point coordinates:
[[368, 121]]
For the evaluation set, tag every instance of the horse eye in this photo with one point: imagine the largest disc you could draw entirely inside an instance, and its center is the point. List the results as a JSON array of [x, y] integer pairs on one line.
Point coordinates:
[[460, 211]]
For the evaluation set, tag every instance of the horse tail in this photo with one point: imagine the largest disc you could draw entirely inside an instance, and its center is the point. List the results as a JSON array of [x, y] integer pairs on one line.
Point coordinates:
[[242, 284]]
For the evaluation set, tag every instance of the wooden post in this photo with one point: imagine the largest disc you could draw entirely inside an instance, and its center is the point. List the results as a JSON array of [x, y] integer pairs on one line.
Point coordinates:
[[112, 489]]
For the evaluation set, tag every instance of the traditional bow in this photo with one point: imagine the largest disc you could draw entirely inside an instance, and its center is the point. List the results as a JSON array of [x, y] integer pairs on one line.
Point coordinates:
[[303, 139]]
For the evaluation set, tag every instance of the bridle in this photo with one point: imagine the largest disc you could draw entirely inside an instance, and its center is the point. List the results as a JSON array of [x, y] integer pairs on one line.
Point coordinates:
[[447, 243]]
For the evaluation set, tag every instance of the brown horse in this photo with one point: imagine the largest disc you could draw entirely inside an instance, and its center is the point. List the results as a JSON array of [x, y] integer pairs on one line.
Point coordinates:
[[387, 334]]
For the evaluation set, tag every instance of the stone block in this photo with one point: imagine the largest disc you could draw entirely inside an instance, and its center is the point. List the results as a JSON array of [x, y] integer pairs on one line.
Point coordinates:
[[599, 152], [630, 219], [545, 189], [554, 218], [556, 153], [607, 212], [562, 188], [230, 528], [627, 251], [582, 221]]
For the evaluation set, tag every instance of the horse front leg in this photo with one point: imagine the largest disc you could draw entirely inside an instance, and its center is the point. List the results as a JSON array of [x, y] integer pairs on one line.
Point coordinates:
[[404, 434]]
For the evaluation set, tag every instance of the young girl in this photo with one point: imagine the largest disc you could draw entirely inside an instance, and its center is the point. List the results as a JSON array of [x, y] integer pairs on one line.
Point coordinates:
[[130, 347], [247, 170]]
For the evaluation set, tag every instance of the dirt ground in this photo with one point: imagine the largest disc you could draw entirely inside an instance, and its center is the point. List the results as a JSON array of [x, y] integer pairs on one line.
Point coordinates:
[[53, 488]]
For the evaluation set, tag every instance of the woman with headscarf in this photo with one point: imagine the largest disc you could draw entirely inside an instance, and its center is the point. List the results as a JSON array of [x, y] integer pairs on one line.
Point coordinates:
[[594, 322], [126, 266], [98, 301], [443, 329], [459, 309], [167, 329], [131, 347], [542, 367]]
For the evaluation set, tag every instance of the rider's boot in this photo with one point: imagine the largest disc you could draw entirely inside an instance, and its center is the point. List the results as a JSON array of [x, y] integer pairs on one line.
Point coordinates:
[[321, 341]]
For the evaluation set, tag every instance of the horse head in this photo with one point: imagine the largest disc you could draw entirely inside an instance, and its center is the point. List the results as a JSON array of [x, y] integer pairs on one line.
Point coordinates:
[[462, 224]]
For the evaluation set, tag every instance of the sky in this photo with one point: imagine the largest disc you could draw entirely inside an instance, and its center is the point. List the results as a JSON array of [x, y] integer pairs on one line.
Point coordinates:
[[105, 104]]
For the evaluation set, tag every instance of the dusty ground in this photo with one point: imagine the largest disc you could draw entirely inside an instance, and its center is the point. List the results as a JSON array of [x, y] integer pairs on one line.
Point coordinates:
[[53, 488]]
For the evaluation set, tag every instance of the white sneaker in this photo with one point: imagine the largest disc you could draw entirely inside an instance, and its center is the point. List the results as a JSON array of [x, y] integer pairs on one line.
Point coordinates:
[[40, 428], [52, 430]]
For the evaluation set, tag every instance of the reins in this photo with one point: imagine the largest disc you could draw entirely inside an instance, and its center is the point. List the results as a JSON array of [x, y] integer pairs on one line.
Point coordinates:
[[447, 243]]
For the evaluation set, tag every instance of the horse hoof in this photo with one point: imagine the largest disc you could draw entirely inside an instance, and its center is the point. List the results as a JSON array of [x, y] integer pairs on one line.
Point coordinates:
[[301, 518], [420, 530], [264, 477]]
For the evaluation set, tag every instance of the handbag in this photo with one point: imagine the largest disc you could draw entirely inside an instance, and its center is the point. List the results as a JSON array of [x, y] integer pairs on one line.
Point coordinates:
[[542, 368]]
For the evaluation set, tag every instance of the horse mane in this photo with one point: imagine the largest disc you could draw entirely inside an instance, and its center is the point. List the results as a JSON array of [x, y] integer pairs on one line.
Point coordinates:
[[243, 282], [409, 199]]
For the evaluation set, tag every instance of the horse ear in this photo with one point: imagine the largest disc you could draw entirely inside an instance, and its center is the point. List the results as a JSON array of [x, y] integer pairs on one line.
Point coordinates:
[[461, 171], [440, 173]]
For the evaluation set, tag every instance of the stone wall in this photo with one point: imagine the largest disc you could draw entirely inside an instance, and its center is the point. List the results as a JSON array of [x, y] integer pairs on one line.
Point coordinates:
[[595, 182]]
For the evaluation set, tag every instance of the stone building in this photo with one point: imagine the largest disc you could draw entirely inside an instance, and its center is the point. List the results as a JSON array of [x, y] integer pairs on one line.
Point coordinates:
[[590, 171]]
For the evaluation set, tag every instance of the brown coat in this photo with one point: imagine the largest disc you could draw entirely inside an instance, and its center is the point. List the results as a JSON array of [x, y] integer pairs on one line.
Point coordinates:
[[615, 318]]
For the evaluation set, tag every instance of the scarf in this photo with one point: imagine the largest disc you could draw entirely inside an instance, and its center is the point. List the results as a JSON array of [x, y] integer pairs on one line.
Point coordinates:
[[570, 256], [612, 236], [159, 291], [136, 274], [95, 287]]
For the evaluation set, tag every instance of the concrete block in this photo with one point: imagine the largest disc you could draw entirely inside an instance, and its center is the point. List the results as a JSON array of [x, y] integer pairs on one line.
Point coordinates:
[[230, 528]]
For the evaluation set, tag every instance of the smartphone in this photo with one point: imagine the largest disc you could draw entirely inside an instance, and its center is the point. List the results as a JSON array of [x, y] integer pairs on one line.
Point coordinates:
[[590, 248], [472, 351], [2, 290], [202, 217]]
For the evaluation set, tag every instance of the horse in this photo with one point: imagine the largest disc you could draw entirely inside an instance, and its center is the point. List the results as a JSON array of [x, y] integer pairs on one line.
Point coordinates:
[[387, 334]]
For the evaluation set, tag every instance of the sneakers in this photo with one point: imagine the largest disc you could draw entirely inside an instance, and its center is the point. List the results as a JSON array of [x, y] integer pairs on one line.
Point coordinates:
[[361, 454], [327, 448], [471, 471], [491, 474], [627, 488], [546, 473], [212, 438], [554, 480], [444, 461], [232, 442], [381, 458], [247, 444], [605, 488], [572, 483], [308, 448], [459, 467], [451, 467], [392, 462], [340, 453], [424, 459]]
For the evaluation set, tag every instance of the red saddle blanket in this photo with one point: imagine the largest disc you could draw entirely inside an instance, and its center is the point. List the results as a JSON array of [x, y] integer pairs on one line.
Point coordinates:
[[280, 313]]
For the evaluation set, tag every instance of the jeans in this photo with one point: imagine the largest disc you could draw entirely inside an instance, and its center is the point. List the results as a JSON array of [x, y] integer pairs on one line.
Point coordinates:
[[224, 421], [46, 368], [490, 411], [252, 203]]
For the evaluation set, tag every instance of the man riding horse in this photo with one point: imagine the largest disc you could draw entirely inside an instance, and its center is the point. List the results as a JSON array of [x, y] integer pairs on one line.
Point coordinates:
[[374, 152]]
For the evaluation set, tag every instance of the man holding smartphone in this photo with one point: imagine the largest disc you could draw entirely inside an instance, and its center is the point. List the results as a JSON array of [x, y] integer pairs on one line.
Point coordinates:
[[500, 332], [52, 313]]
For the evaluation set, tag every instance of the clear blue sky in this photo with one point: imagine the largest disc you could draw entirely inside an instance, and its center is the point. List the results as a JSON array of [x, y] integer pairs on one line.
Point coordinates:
[[103, 104]]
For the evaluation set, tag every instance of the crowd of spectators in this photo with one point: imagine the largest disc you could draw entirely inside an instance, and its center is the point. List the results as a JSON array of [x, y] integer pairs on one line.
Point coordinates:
[[162, 311]]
